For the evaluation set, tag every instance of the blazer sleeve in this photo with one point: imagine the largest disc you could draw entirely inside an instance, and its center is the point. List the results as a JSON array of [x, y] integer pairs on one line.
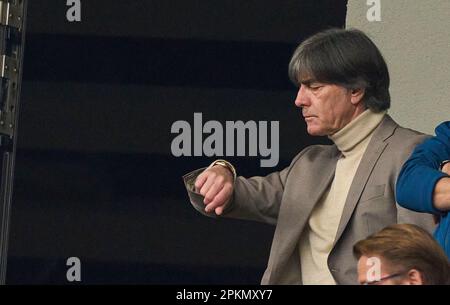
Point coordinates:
[[256, 198], [419, 175]]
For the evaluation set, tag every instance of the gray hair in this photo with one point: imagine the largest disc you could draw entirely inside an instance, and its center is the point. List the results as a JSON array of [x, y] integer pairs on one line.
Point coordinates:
[[347, 58]]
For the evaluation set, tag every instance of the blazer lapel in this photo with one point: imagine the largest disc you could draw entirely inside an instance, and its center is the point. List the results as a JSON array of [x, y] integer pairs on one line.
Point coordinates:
[[373, 152]]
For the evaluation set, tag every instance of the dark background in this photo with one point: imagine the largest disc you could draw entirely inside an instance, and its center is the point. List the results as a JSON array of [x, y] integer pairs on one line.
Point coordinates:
[[95, 177]]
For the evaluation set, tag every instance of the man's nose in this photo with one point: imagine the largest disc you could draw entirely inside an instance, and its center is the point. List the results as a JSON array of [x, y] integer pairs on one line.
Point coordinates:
[[302, 99]]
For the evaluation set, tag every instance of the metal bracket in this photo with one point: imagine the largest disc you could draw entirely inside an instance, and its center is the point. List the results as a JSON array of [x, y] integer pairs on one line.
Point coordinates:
[[10, 15], [8, 72], [8, 67], [12, 19]]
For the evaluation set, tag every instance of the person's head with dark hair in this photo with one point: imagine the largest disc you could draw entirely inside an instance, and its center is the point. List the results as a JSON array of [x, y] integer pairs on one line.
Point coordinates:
[[406, 254], [349, 64]]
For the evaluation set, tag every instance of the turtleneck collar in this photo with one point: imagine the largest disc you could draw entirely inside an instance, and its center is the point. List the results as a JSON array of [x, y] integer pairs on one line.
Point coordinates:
[[357, 131]]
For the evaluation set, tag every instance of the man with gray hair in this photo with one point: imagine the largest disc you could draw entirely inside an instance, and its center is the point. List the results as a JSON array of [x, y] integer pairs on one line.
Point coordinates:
[[331, 196]]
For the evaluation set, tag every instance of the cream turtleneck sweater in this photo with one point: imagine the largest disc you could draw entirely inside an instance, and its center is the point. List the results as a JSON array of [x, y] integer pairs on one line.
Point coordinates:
[[317, 239]]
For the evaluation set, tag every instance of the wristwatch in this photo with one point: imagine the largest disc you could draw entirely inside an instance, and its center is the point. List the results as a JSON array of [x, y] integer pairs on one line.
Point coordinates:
[[443, 163], [225, 164]]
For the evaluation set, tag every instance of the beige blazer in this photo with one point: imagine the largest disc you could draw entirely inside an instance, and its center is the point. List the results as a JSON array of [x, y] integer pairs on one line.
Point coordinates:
[[287, 198]]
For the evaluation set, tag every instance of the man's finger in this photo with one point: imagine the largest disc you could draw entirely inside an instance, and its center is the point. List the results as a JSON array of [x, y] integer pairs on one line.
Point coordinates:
[[213, 191], [220, 199], [219, 210], [209, 182], [201, 179]]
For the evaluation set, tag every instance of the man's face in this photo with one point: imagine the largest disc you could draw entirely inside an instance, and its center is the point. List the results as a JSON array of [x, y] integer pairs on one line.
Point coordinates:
[[372, 271], [369, 268], [327, 108]]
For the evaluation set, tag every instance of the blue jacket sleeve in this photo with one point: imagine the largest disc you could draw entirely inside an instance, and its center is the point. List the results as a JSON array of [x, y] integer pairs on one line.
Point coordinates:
[[419, 175]]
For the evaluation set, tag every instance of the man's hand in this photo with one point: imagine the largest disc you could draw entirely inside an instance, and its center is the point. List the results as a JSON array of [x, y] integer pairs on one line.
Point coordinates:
[[216, 185], [441, 194]]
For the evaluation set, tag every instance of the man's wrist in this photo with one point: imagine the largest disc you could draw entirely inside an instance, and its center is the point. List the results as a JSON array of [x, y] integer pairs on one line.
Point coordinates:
[[227, 165]]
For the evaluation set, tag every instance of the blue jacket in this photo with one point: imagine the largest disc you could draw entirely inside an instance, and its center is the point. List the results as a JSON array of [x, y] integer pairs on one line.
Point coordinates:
[[418, 177]]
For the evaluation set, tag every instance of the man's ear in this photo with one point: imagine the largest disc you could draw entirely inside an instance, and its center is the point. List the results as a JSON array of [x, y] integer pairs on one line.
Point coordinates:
[[357, 95], [414, 277]]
